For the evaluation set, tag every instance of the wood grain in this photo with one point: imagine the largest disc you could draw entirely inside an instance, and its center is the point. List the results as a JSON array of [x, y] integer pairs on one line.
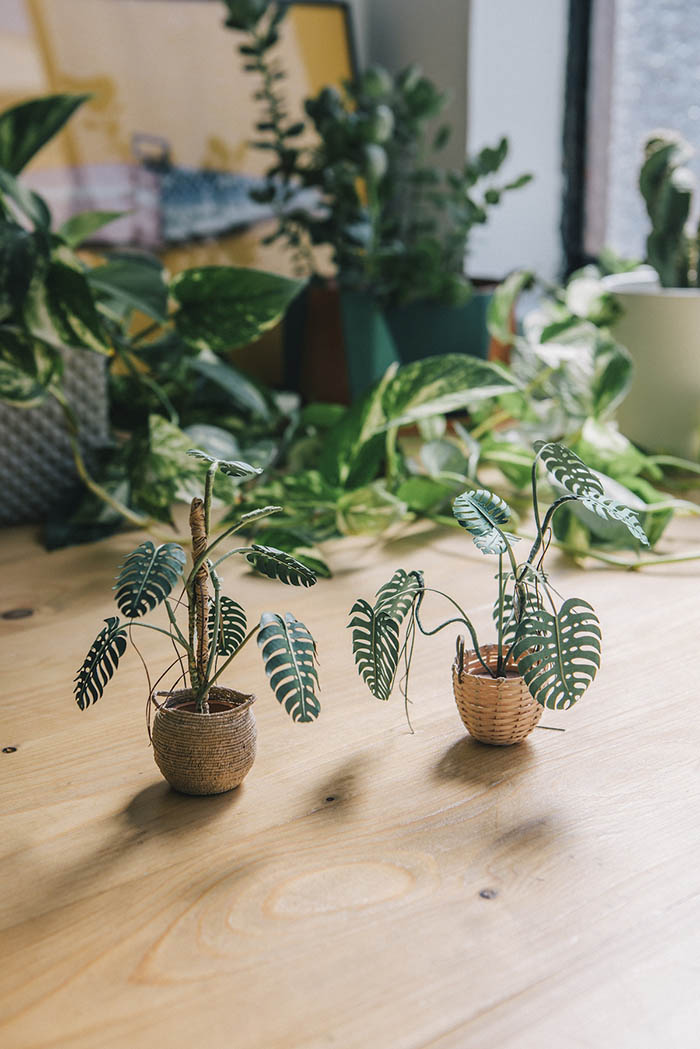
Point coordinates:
[[364, 888]]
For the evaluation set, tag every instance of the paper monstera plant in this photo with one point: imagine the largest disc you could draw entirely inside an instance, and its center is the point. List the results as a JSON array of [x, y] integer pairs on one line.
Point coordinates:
[[547, 649], [203, 734]]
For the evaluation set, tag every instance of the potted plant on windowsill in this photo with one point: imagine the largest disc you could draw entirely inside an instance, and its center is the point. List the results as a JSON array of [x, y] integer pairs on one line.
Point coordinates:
[[660, 321], [398, 227], [546, 653], [204, 735]]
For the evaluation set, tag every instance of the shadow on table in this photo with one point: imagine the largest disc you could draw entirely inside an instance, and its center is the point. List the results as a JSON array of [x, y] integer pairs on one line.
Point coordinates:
[[469, 761], [158, 809]]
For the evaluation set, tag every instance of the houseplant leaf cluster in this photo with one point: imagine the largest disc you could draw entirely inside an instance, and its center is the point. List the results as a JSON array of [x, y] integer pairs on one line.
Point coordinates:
[[164, 339], [217, 625], [555, 644], [398, 226]]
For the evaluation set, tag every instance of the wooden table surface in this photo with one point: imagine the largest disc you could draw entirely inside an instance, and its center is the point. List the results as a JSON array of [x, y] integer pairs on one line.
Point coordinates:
[[365, 888]]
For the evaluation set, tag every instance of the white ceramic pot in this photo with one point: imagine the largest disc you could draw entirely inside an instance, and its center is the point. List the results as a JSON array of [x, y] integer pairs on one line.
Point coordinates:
[[661, 329]]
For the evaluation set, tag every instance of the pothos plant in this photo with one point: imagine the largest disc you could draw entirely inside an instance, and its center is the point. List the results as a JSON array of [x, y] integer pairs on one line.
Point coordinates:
[[216, 627], [164, 339], [555, 643]]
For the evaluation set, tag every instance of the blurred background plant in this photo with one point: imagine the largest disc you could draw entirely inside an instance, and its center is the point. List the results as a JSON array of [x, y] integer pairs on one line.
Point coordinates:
[[667, 185], [397, 225]]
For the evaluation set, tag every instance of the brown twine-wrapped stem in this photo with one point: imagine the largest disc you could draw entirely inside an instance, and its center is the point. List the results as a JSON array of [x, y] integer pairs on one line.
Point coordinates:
[[199, 597]]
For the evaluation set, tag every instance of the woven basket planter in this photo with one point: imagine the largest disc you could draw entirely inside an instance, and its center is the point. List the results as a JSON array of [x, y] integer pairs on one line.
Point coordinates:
[[205, 753], [500, 710]]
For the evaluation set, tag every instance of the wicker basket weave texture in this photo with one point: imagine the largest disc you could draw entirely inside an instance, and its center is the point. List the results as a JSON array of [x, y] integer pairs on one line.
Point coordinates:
[[499, 711], [205, 753], [37, 470]]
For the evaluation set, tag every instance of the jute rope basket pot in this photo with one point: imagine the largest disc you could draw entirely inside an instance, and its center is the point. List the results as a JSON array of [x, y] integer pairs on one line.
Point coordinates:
[[499, 710], [205, 753]]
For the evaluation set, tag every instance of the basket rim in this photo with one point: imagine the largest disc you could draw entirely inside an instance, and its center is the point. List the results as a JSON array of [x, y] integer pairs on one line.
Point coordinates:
[[484, 651], [238, 702]]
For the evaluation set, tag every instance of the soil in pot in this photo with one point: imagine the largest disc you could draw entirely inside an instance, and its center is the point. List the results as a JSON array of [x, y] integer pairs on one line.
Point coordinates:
[[499, 711], [205, 753]]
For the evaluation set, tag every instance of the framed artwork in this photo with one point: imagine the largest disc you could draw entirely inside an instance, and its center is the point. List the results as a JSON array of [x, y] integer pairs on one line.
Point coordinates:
[[166, 134]]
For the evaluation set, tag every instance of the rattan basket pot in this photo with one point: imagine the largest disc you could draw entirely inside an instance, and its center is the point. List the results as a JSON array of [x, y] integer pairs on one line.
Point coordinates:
[[205, 753], [499, 710]]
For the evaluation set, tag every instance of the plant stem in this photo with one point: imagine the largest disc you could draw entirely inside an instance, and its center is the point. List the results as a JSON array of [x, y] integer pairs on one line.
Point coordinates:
[[243, 643], [149, 626], [499, 665], [392, 460], [208, 490], [199, 602], [463, 618]]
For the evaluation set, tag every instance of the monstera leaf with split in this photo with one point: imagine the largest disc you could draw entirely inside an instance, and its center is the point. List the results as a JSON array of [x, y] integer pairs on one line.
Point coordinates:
[[100, 663], [559, 654], [147, 577], [568, 470], [572, 474], [275, 564], [609, 509], [375, 642], [289, 655], [231, 628], [395, 598], [483, 515]]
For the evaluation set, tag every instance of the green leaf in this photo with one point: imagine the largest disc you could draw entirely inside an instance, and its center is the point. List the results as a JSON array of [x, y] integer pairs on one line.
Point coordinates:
[[161, 470], [289, 656], [609, 509], [424, 495], [298, 542], [147, 577], [395, 598], [574, 476], [558, 655], [234, 468], [244, 393], [215, 441], [232, 626], [100, 663], [441, 384], [222, 307], [354, 448], [18, 257], [276, 564], [80, 227], [28, 367], [132, 281], [28, 202], [500, 309], [443, 456], [483, 514], [375, 645], [61, 310], [568, 470], [27, 127], [369, 510]]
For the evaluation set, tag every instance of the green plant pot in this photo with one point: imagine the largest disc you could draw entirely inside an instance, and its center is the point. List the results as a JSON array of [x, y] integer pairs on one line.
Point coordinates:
[[425, 329], [369, 346]]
